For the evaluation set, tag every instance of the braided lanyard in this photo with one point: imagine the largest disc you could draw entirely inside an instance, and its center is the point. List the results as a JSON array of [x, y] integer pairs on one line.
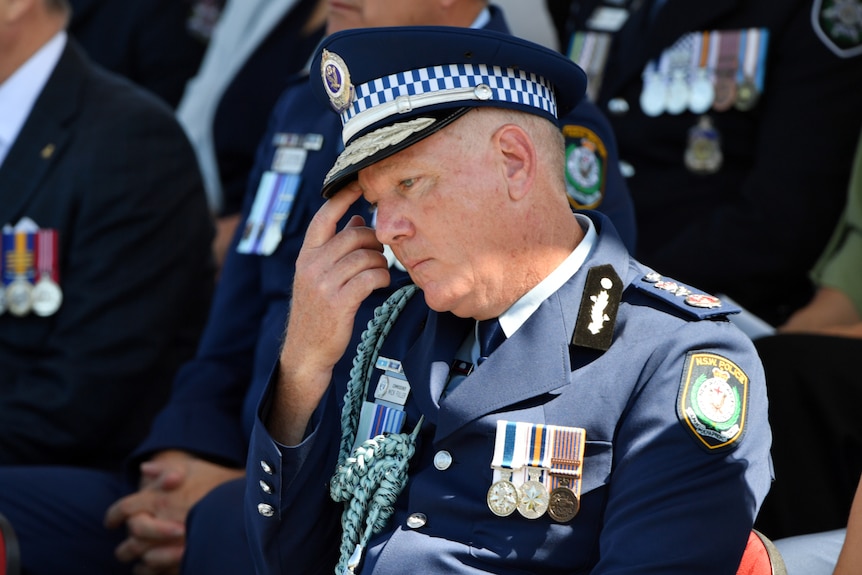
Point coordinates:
[[369, 478]]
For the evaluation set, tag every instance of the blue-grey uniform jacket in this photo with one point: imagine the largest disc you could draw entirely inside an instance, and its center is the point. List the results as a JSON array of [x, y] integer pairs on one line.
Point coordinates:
[[659, 493]]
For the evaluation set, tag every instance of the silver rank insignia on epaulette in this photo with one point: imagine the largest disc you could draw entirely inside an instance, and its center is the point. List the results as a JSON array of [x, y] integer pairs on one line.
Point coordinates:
[[598, 312], [686, 298], [713, 399]]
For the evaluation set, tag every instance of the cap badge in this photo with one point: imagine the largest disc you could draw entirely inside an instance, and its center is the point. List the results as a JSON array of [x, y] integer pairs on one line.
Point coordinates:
[[336, 78]]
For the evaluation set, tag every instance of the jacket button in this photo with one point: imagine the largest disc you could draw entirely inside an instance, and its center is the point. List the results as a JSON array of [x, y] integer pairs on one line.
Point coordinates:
[[265, 487], [416, 520], [265, 510], [267, 468], [442, 460]]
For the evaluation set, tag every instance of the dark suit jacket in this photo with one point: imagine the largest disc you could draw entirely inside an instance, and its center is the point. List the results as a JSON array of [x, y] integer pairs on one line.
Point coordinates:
[[107, 166], [147, 41]]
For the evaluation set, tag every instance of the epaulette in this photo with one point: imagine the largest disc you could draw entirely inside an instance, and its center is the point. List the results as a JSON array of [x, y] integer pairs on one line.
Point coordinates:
[[685, 298]]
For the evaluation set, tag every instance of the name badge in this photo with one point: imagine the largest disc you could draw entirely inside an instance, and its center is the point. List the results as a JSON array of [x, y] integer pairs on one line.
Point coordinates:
[[392, 389], [289, 160]]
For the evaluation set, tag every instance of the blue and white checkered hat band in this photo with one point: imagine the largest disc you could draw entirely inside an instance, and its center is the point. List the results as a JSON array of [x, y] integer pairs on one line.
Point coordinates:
[[406, 91]]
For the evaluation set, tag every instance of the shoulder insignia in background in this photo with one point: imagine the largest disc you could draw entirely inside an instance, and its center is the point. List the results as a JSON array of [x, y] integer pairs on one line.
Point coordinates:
[[586, 166], [713, 400], [691, 301], [838, 24]]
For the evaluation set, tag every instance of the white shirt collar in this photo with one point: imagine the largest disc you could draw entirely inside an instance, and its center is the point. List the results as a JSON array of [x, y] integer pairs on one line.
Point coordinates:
[[514, 317], [482, 19], [20, 91]]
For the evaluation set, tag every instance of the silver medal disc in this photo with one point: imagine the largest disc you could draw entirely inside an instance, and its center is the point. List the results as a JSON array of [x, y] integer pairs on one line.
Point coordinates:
[[677, 94], [701, 93], [47, 297], [653, 96], [502, 498], [534, 500], [19, 297]]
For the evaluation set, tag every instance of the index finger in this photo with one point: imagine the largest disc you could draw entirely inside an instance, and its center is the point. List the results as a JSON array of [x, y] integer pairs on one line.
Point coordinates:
[[123, 508], [323, 225]]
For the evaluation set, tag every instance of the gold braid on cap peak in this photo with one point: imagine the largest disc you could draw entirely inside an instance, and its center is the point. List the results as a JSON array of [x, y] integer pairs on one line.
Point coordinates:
[[372, 142]]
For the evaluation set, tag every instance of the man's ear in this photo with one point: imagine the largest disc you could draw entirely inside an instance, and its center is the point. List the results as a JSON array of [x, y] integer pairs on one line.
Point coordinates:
[[518, 159]]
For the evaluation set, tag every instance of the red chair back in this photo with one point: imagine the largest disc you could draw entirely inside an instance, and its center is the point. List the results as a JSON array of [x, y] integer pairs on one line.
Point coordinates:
[[761, 557], [9, 553]]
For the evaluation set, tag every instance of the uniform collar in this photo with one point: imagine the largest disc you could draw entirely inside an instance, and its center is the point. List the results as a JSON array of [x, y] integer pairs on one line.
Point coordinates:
[[521, 310]]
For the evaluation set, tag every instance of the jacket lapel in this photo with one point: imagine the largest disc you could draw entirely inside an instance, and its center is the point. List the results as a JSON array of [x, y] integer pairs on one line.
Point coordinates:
[[44, 136], [429, 359], [519, 369]]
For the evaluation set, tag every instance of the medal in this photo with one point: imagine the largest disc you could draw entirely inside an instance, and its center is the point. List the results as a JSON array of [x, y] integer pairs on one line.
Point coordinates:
[[652, 98], [502, 497], [19, 295], [703, 153], [509, 450], [746, 95], [725, 74], [679, 58], [746, 91], [47, 295], [677, 93], [18, 269], [566, 472], [589, 50], [564, 504], [701, 92], [751, 81], [533, 501]]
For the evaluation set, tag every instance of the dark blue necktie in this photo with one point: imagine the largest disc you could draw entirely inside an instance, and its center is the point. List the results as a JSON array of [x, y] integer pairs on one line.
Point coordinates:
[[490, 335]]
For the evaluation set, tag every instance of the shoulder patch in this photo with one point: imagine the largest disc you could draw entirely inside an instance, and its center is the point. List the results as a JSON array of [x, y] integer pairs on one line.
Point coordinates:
[[586, 166], [713, 400], [838, 24]]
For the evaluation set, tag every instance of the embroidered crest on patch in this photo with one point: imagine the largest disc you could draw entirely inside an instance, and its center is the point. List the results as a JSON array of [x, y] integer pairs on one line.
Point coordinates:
[[586, 161], [713, 399], [838, 23]]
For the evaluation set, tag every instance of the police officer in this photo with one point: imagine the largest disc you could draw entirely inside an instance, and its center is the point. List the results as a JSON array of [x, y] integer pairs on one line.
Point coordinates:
[[737, 120], [197, 445], [538, 401]]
